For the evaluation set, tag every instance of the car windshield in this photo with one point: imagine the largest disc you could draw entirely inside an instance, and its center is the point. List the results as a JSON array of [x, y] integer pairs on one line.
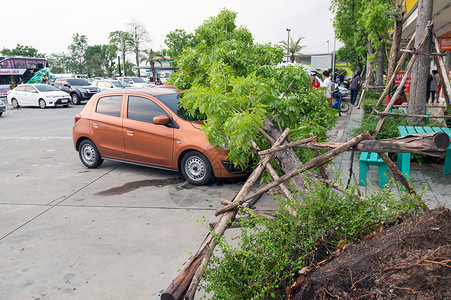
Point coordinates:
[[46, 88], [120, 84], [173, 102], [80, 82], [137, 80]]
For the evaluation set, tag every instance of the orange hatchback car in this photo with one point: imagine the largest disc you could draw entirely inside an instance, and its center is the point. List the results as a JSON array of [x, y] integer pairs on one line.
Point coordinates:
[[147, 127]]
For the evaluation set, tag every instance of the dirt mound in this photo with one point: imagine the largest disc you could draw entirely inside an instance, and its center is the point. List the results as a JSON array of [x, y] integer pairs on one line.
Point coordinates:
[[411, 260]]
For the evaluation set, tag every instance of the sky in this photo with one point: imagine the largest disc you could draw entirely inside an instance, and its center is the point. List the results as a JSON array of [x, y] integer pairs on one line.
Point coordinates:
[[49, 25]]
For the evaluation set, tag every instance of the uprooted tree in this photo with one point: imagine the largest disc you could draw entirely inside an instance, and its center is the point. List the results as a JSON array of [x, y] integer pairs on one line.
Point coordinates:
[[240, 90]]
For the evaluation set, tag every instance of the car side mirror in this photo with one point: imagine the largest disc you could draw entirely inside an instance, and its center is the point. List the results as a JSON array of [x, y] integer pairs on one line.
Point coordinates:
[[66, 85], [161, 120]]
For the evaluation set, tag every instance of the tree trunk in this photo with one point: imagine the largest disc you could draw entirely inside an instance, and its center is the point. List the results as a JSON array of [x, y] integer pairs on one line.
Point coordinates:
[[286, 159], [421, 67], [369, 65], [397, 33], [380, 67]]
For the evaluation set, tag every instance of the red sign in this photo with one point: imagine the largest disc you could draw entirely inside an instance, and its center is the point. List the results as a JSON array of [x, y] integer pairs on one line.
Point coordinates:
[[445, 43], [406, 85]]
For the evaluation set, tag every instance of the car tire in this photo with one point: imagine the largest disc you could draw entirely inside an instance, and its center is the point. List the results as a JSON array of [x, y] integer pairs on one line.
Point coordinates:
[[1, 113], [89, 155], [196, 168], [75, 99], [15, 103], [42, 104]]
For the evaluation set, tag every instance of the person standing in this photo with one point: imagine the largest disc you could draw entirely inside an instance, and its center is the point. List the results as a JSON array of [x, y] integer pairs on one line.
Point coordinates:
[[315, 82], [327, 83], [355, 84], [434, 85]]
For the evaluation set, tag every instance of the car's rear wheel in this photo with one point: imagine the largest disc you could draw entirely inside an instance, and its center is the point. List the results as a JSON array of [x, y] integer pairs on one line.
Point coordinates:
[[42, 103], [15, 103], [75, 100], [196, 168], [89, 155]]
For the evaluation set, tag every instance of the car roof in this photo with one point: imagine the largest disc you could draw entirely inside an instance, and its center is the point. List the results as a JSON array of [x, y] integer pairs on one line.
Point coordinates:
[[148, 91]]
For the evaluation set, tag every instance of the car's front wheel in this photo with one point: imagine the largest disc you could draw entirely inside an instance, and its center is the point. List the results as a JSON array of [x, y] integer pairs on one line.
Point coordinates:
[[196, 168], [89, 155], [42, 103], [75, 99], [15, 103]]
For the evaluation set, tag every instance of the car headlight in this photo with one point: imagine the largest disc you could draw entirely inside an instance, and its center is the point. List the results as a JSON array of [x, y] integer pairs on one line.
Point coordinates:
[[84, 90]]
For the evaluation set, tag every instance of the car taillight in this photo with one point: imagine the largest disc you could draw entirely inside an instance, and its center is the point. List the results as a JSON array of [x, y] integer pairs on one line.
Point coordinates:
[[77, 117]]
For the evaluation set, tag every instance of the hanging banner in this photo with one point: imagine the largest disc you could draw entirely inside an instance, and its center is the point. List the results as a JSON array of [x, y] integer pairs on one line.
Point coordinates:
[[445, 43]]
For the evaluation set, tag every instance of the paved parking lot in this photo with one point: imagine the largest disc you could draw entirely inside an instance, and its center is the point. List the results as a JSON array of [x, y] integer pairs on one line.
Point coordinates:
[[68, 232]]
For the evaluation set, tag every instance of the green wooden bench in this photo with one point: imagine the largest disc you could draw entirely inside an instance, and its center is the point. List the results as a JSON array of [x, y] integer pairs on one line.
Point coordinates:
[[372, 159], [404, 158]]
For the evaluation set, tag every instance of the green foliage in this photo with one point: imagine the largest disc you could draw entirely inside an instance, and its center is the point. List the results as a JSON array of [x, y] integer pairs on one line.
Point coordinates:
[[21, 50], [178, 40], [76, 56], [235, 84], [270, 252]]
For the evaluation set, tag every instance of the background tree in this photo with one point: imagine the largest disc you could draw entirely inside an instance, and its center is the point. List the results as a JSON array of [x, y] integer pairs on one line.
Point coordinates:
[[178, 40], [140, 36], [236, 85], [148, 57], [94, 61], [293, 48], [123, 41], [58, 63], [109, 55], [21, 50], [76, 55]]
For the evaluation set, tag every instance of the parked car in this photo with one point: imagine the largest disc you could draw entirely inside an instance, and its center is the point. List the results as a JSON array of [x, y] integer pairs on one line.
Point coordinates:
[[110, 84], [42, 95], [2, 107], [79, 89], [147, 127], [134, 81]]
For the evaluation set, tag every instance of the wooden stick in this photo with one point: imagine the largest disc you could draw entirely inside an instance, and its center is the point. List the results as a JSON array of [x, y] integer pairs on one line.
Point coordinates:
[[423, 53], [392, 80], [316, 162], [289, 145], [404, 79], [398, 174], [224, 223], [442, 73], [383, 113], [322, 171]]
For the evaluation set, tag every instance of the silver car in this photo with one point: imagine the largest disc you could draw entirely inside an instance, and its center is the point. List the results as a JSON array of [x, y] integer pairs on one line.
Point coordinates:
[[2, 107]]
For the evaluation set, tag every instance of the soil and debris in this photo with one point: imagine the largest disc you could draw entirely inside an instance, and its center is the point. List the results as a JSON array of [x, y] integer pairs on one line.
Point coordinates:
[[410, 260]]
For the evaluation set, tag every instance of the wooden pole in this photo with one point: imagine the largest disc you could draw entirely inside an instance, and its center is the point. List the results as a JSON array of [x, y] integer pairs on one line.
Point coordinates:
[[404, 79], [446, 86], [223, 223], [392, 80], [315, 162]]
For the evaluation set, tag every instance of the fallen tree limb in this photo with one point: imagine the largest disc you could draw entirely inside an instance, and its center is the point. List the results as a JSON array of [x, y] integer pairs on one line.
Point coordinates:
[[432, 144], [315, 162]]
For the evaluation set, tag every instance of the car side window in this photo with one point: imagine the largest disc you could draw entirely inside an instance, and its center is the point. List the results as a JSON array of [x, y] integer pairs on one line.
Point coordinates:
[[109, 105], [20, 88], [29, 88], [143, 109]]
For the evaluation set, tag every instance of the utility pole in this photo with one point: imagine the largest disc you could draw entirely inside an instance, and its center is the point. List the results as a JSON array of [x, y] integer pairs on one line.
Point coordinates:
[[421, 67], [288, 44], [119, 65]]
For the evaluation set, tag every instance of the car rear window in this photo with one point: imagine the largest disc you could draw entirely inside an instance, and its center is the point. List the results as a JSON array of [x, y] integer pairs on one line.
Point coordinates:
[[46, 88], [109, 105], [81, 82]]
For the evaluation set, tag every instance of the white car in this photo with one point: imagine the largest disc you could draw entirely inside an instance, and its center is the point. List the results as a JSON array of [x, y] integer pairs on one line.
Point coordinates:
[[42, 95], [104, 84], [136, 82]]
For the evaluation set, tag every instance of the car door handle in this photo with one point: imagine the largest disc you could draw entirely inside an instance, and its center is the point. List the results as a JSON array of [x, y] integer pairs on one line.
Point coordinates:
[[95, 125], [129, 132]]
